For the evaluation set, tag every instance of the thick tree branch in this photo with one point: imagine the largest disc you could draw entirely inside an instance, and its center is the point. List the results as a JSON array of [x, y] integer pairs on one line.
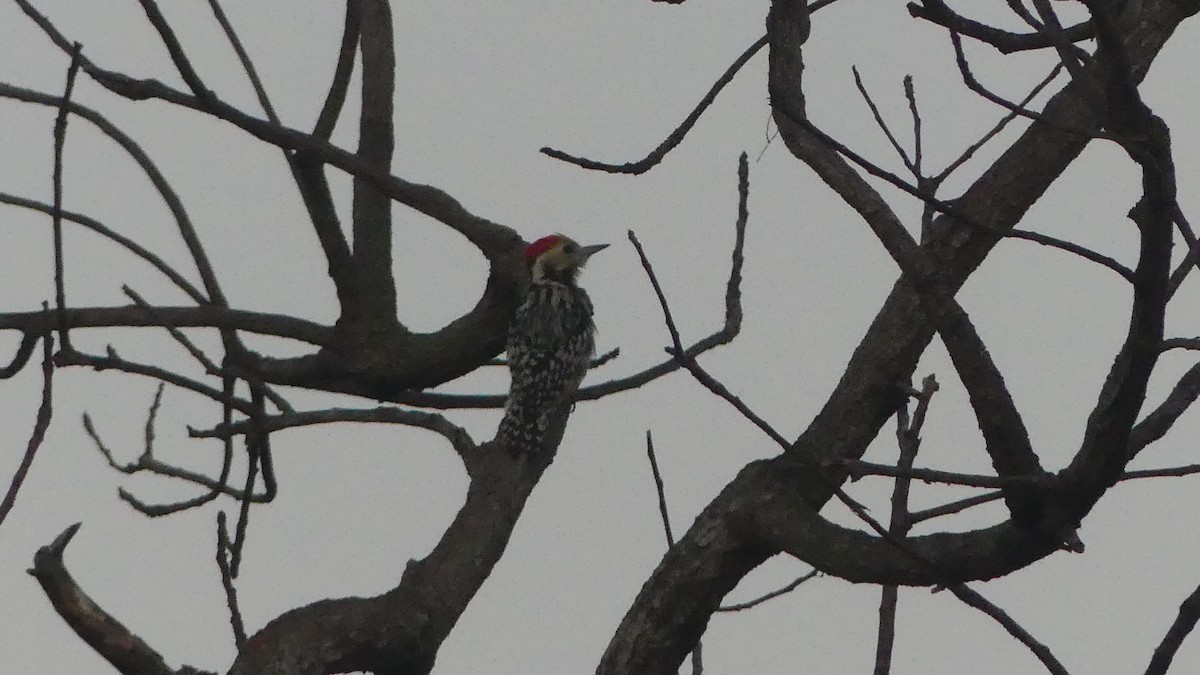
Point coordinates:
[[372, 223], [126, 652], [673, 606]]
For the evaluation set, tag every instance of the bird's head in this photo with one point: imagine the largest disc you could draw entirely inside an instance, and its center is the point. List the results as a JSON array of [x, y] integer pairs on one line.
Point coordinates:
[[558, 258]]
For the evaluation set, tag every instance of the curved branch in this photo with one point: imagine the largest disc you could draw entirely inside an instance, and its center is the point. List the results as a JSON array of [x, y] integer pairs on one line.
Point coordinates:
[[260, 91], [160, 183], [120, 239], [676, 137], [1041, 651], [127, 652], [458, 437], [40, 425], [1071, 247], [1164, 653], [21, 357], [114, 362], [336, 98], [675, 603], [1159, 421], [936, 11], [175, 49], [496, 242], [278, 325]]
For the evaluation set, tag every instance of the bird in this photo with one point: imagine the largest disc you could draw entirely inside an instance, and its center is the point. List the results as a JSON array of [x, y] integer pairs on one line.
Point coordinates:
[[551, 341]]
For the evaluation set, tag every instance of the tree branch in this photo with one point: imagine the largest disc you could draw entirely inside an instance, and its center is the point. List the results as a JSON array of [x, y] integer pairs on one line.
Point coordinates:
[[125, 651]]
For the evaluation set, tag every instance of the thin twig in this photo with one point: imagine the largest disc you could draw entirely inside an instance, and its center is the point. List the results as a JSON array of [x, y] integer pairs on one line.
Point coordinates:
[[29, 340], [908, 437], [974, 599], [999, 126], [103, 230], [911, 96], [676, 137], [458, 437], [146, 461], [209, 366], [1164, 653], [175, 49], [258, 450], [248, 65], [40, 425], [1071, 247], [235, 614], [879, 122], [954, 506], [715, 386], [1192, 259], [60, 140], [975, 86], [658, 487], [858, 468], [114, 362], [769, 596]]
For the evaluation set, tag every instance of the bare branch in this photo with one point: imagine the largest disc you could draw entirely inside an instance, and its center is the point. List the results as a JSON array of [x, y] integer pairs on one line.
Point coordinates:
[[858, 468], [658, 488], [372, 208], [60, 139], [178, 57], [1000, 125], [1071, 247], [1017, 109], [1192, 259], [1171, 472], [207, 316], [235, 614], [911, 96], [127, 652], [1164, 653], [676, 137], [209, 367], [974, 599], [244, 58], [40, 425], [21, 357], [495, 241], [879, 122], [121, 240], [114, 362], [146, 461], [1004, 41], [768, 596], [170, 198], [458, 437], [336, 97], [954, 507]]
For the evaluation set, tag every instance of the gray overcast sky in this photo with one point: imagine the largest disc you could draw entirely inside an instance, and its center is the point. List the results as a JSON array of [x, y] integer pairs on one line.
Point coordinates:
[[481, 87]]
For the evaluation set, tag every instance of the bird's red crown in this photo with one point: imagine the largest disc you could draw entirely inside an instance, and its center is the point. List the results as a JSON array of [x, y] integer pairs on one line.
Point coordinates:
[[541, 246]]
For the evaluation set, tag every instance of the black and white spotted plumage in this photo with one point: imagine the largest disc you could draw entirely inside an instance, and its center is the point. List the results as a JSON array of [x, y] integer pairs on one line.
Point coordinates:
[[551, 341]]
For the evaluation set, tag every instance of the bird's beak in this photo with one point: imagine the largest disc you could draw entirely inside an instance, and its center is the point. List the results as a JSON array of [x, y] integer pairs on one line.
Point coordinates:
[[588, 251]]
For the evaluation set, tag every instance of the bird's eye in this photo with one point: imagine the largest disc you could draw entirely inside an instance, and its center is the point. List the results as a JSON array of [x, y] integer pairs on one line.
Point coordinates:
[[568, 248]]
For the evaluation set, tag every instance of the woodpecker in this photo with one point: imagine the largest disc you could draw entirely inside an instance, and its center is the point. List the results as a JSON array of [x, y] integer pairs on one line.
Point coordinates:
[[550, 342]]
